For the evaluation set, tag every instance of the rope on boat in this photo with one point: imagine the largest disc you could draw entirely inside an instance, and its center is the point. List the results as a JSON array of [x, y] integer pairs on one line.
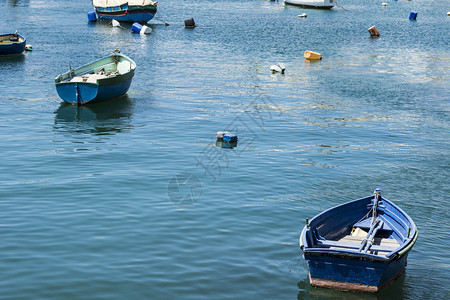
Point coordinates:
[[337, 4]]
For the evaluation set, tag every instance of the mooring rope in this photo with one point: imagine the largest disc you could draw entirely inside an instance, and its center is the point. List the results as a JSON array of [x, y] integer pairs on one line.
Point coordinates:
[[337, 4]]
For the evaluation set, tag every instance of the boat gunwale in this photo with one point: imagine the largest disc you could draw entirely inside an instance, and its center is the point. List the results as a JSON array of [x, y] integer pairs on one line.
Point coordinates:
[[85, 69]]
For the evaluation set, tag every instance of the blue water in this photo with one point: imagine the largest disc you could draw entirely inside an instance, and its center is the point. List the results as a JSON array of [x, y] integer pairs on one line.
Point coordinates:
[[132, 199]]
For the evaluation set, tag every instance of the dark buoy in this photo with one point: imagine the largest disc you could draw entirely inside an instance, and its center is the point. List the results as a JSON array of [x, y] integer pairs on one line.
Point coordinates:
[[412, 15], [189, 23], [374, 31], [92, 17]]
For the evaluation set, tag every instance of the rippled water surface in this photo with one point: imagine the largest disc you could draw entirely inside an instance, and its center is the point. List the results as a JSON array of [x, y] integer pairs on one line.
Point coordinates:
[[133, 198]]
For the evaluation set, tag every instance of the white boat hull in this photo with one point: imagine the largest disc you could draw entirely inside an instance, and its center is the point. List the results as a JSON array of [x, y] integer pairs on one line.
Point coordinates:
[[312, 3]]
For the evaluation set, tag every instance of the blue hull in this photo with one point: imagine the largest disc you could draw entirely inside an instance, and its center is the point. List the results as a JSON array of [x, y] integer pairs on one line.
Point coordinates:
[[361, 245], [353, 274], [131, 18], [13, 48], [82, 93]]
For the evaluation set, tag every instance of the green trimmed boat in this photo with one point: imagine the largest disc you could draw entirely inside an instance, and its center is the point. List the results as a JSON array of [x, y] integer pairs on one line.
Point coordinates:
[[105, 79]]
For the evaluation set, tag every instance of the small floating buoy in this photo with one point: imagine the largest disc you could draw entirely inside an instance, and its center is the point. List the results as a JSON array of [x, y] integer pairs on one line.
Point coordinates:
[[303, 15], [28, 47], [312, 55], [189, 23], [220, 134], [448, 14], [412, 15], [374, 31], [383, 4], [115, 23], [142, 29], [280, 68], [92, 17], [231, 138]]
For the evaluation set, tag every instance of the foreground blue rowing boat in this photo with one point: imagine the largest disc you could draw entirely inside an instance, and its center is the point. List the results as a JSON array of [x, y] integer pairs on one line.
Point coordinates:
[[140, 11], [11, 44], [361, 245], [105, 79]]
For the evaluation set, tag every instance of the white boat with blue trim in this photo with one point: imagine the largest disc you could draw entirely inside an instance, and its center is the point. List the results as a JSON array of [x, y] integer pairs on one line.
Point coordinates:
[[325, 4], [140, 11]]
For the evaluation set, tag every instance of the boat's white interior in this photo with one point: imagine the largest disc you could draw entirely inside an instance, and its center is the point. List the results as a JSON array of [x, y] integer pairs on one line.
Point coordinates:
[[105, 71], [6, 39], [358, 235]]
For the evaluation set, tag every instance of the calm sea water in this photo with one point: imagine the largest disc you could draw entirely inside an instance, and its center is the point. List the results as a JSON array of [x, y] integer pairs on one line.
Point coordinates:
[[133, 199]]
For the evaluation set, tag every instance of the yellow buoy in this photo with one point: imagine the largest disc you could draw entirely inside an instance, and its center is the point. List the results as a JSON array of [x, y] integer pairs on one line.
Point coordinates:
[[312, 55]]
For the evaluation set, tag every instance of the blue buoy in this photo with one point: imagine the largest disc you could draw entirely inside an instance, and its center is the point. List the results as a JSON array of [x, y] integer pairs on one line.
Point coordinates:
[[142, 29], [136, 27], [92, 17], [413, 15], [230, 138]]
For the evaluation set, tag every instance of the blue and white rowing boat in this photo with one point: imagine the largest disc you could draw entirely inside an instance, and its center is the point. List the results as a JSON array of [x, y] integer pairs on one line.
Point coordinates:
[[105, 79], [361, 245], [12, 43]]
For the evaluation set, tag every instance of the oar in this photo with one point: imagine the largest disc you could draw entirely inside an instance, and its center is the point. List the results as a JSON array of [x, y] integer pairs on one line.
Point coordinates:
[[165, 23]]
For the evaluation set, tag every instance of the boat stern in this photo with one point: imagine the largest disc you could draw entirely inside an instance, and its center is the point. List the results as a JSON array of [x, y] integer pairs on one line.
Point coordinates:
[[77, 93]]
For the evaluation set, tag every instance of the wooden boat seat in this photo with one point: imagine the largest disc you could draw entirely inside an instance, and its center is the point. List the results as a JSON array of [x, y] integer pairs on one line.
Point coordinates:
[[351, 245], [91, 78], [123, 67], [367, 223]]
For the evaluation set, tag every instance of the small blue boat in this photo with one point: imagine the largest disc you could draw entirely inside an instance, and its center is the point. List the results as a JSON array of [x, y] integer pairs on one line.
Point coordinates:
[[140, 11], [361, 245], [13, 43], [105, 79]]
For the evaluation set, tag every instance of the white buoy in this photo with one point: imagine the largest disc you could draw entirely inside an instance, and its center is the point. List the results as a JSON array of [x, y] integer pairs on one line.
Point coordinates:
[[28, 47], [145, 30], [115, 23], [383, 4], [278, 68], [303, 15], [220, 134], [448, 14]]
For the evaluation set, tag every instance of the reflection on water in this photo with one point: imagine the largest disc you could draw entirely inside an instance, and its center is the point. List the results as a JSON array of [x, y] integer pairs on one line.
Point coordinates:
[[19, 2], [226, 145], [393, 291], [107, 117], [8, 59]]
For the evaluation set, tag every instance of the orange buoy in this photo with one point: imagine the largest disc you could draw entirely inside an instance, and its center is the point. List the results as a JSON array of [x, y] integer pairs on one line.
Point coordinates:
[[312, 55], [374, 31]]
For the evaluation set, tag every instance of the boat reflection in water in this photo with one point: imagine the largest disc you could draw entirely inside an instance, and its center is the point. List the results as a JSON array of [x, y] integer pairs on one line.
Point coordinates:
[[102, 118], [226, 145], [14, 3]]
